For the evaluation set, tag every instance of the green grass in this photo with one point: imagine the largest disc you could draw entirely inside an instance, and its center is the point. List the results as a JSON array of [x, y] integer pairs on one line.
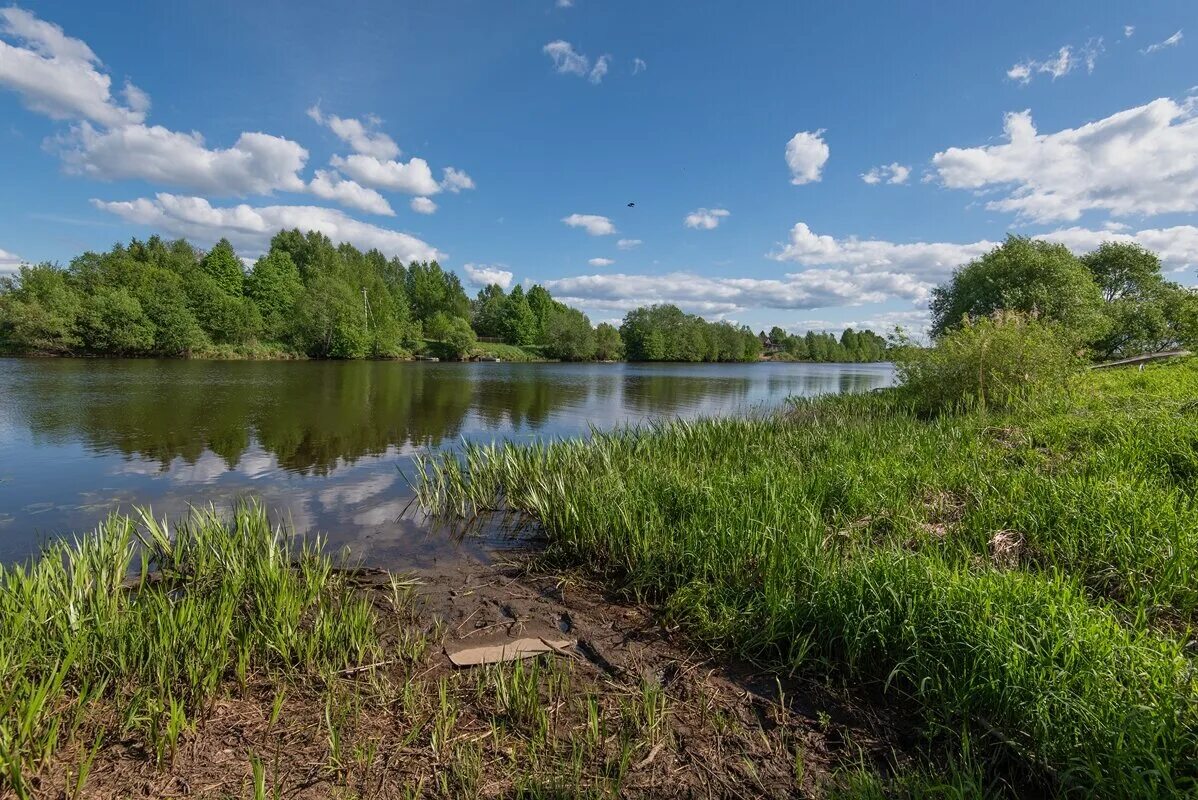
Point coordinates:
[[81, 651], [1027, 581], [508, 352]]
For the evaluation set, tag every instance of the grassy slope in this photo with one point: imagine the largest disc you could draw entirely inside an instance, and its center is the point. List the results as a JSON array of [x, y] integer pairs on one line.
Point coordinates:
[[508, 352], [1027, 579]]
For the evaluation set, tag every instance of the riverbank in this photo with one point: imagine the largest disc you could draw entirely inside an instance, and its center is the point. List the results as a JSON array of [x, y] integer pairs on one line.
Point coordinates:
[[1025, 582], [232, 661]]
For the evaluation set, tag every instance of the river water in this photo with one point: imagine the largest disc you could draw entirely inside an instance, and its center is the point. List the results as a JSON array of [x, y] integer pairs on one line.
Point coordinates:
[[326, 445]]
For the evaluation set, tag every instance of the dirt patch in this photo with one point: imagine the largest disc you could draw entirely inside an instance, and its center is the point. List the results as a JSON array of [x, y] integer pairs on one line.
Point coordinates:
[[629, 709]]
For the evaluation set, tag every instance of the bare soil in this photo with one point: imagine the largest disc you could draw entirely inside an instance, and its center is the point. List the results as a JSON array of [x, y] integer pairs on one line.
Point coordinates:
[[630, 709]]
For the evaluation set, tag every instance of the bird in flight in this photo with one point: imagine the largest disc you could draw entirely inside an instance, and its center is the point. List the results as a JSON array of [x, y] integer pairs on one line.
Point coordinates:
[[630, 205]]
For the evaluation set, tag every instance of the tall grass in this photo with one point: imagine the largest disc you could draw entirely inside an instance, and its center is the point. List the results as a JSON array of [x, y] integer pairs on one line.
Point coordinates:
[[135, 629], [1027, 577]]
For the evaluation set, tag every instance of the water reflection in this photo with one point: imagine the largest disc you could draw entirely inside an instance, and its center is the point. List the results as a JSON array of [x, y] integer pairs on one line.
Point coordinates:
[[325, 443]]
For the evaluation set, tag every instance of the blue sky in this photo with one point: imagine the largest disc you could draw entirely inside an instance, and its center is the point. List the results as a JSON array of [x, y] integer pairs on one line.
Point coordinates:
[[792, 164]]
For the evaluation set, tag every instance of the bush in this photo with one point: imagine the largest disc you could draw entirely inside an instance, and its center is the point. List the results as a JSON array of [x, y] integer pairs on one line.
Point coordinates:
[[993, 362]]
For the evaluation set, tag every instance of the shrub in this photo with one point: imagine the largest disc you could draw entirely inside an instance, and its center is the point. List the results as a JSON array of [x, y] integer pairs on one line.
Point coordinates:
[[993, 361]]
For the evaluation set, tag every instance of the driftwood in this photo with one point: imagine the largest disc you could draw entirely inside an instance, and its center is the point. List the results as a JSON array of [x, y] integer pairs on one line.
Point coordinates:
[[1141, 359]]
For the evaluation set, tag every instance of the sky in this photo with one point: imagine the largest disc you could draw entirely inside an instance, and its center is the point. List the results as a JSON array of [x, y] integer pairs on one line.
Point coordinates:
[[770, 163]]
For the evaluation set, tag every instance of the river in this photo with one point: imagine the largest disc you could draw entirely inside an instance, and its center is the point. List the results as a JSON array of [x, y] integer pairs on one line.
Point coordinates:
[[326, 445]]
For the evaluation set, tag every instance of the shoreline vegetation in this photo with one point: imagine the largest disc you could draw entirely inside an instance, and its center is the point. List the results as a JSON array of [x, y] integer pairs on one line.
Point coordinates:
[[999, 602], [309, 298]]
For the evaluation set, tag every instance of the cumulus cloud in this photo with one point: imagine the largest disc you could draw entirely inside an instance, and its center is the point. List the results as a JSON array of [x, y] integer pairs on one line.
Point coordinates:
[[628, 244], [485, 275], [9, 261], [1141, 161], [600, 262], [414, 177], [705, 219], [1177, 246], [361, 137], [806, 154], [250, 228], [1059, 64], [1172, 41], [887, 173], [257, 163], [455, 180], [60, 76], [593, 224], [913, 322], [565, 59], [638, 66], [842, 272], [423, 205], [1128, 30], [329, 185]]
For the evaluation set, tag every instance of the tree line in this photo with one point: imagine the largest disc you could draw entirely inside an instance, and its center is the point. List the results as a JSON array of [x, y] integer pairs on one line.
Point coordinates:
[[308, 297], [858, 346]]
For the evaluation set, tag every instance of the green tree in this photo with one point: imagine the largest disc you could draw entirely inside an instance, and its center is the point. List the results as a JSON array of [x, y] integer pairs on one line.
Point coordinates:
[[1027, 276], [274, 286], [113, 322], [39, 309], [222, 263], [517, 324], [569, 336], [543, 307], [487, 311], [608, 344], [453, 333], [1146, 313]]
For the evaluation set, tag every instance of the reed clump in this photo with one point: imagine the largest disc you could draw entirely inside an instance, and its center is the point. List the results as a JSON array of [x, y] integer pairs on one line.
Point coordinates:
[[134, 630], [1025, 574]]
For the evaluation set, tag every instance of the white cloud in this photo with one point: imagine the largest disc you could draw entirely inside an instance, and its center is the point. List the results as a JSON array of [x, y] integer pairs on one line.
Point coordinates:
[[593, 224], [414, 177], [889, 173], [842, 272], [565, 59], [1128, 30], [565, 3], [1172, 41], [1140, 161], [568, 61], [455, 180], [806, 154], [358, 135], [705, 219], [250, 228], [600, 262], [423, 205], [1059, 64], [881, 323], [628, 244], [599, 70], [1177, 246], [9, 261], [60, 76], [257, 163], [719, 296], [638, 66], [329, 185], [485, 275]]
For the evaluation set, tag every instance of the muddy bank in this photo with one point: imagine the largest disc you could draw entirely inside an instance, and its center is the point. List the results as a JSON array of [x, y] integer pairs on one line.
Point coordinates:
[[627, 709]]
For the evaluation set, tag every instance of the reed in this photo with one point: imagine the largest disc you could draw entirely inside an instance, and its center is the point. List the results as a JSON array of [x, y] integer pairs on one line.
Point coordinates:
[[147, 623]]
